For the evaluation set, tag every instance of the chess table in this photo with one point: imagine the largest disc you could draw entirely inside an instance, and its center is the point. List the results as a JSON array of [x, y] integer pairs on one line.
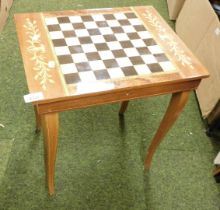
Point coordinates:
[[76, 59]]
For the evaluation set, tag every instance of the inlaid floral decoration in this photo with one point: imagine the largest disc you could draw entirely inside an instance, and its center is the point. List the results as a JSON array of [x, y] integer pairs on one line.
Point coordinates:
[[38, 52], [165, 36]]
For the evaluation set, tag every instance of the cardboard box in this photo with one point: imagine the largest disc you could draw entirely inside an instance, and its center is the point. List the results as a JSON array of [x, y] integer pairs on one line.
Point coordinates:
[[199, 27], [174, 7], [5, 6], [193, 22]]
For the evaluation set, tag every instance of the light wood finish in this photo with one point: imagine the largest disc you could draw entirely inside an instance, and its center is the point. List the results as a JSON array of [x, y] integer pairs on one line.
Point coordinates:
[[50, 123], [174, 109], [58, 96], [123, 107], [37, 119], [187, 66]]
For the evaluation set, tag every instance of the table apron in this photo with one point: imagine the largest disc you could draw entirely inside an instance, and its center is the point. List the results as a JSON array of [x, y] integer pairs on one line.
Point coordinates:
[[77, 102]]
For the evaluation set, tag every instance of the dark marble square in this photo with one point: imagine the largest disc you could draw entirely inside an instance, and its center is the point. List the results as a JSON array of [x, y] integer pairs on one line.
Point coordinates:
[[126, 44], [65, 59], [129, 71], [119, 53], [87, 18], [117, 29], [69, 33], [93, 56], [101, 46], [143, 50], [93, 32], [59, 42], [137, 60], [55, 27], [155, 67], [109, 16], [85, 40], [101, 74], [78, 25], [161, 57], [101, 24], [84, 66], [133, 35], [63, 20], [139, 28], [124, 22], [72, 78], [76, 49], [130, 15], [111, 63], [109, 38], [149, 42]]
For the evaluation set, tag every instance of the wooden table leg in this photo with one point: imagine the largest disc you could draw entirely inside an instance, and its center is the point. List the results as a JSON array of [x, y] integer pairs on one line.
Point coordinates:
[[50, 124], [38, 120], [176, 105], [123, 108]]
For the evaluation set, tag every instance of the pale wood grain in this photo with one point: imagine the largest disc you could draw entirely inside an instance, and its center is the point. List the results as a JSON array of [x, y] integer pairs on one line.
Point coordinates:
[[176, 105], [50, 124]]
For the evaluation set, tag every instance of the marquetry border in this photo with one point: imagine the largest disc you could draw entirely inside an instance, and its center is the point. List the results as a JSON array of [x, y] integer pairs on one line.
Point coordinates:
[[38, 53], [167, 37]]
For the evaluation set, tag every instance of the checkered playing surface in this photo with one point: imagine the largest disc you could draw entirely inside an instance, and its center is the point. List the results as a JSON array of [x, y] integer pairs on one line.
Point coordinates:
[[108, 46]]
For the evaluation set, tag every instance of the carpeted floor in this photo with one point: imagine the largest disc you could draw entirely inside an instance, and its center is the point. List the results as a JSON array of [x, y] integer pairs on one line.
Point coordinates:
[[100, 159]]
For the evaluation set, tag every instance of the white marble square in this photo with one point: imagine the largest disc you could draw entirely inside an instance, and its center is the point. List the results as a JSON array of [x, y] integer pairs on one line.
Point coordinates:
[[56, 35], [122, 37], [135, 21], [115, 73], [81, 32], [114, 45], [98, 17], [90, 25], [98, 39], [167, 66], [120, 16], [105, 55], [62, 51], [113, 23], [129, 29], [149, 59], [97, 65], [68, 68], [144, 34], [105, 31], [131, 52], [79, 58], [66, 26], [89, 48], [123, 62], [142, 69], [138, 43], [72, 41], [155, 49], [75, 19], [51, 21], [87, 76]]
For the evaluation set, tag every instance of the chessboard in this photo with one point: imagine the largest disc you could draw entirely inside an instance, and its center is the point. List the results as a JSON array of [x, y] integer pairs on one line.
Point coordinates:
[[98, 47]]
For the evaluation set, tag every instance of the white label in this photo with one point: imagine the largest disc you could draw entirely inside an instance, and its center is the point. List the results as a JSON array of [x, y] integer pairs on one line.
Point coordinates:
[[33, 97], [217, 159]]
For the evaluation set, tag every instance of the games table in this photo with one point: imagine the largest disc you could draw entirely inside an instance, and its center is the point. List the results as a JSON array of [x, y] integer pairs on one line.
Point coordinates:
[[76, 59]]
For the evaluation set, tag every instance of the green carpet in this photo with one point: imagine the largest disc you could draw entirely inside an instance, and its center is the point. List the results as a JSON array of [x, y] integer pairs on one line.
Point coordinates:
[[100, 159]]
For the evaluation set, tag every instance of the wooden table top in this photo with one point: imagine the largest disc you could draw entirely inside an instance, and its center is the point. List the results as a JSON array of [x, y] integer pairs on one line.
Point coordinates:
[[73, 53]]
